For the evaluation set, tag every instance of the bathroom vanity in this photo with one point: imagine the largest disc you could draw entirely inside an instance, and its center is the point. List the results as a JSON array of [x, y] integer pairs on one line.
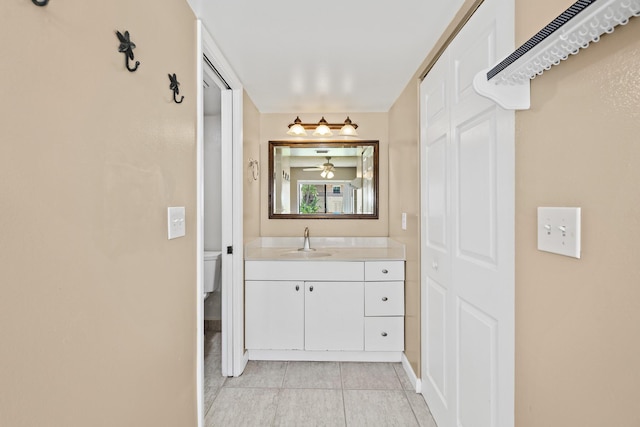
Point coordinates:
[[344, 301]]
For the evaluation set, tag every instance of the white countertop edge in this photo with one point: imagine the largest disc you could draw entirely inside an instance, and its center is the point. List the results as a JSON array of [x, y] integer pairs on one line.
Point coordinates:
[[324, 242], [341, 249]]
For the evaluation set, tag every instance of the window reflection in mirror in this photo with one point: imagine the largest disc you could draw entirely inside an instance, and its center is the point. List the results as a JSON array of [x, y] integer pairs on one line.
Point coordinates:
[[328, 179]]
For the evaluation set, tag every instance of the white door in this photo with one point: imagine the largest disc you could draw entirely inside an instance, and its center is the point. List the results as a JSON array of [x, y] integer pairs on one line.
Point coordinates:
[[467, 164], [226, 214], [334, 316]]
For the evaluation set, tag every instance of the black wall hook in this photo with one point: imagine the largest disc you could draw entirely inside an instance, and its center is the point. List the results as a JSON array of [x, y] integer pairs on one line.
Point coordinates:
[[174, 87], [40, 3], [126, 47]]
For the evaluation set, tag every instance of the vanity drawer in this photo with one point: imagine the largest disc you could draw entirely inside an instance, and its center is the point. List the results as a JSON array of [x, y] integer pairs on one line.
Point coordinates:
[[345, 271], [383, 270], [384, 299], [384, 333]]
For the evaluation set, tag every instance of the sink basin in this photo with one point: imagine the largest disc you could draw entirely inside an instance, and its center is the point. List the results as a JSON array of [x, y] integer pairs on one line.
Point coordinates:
[[305, 254]]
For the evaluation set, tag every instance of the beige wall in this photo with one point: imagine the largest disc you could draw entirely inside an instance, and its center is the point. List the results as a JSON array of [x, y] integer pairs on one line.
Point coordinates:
[[372, 126], [98, 308], [252, 189], [404, 196], [577, 321]]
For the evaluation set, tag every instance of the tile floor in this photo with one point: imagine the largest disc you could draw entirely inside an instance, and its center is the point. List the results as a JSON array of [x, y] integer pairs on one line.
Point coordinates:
[[310, 394]]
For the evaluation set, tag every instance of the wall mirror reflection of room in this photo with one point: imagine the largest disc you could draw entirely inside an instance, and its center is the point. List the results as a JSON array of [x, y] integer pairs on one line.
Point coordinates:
[[328, 179]]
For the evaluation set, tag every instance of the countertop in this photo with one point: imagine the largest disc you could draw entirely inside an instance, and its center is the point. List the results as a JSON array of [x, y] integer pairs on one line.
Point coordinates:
[[325, 249]]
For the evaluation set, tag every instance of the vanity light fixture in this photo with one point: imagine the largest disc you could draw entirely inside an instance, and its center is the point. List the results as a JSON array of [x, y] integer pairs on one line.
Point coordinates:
[[322, 128]]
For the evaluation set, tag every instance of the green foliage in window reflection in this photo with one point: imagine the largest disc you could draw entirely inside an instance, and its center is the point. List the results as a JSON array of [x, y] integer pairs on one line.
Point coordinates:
[[309, 202]]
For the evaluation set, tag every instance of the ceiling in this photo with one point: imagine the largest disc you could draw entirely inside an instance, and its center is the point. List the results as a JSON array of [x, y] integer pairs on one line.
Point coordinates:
[[331, 56]]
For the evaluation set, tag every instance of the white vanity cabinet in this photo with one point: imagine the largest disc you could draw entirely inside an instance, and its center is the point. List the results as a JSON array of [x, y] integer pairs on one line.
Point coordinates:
[[324, 310]]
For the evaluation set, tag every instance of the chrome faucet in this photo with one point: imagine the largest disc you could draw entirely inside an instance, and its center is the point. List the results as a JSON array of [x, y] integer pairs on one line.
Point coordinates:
[[306, 246]]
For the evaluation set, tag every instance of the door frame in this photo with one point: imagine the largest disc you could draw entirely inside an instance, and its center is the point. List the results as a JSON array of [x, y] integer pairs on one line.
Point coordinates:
[[234, 358]]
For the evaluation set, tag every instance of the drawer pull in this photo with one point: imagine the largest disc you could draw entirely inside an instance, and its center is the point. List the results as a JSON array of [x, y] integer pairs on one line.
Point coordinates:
[[384, 334], [385, 271], [311, 288], [297, 287], [384, 298]]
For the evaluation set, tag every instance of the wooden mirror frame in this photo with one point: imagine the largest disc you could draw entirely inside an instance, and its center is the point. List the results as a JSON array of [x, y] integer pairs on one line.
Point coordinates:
[[320, 145]]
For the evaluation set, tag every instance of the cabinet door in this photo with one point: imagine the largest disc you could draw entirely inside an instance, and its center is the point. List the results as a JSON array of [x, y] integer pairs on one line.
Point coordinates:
[[334, 316], [274, 315]]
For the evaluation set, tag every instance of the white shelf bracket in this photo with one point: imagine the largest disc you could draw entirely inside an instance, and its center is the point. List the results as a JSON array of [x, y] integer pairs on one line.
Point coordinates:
[[508, 82], [509, 97]]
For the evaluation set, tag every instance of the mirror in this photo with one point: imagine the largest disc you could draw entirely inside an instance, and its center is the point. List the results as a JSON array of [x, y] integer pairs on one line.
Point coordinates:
[[327, 179]]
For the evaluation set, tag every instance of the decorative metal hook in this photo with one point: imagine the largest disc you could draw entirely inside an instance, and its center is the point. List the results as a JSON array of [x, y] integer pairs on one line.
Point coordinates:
[[40, 3], [255, 169], [174, 87], [126, 47]]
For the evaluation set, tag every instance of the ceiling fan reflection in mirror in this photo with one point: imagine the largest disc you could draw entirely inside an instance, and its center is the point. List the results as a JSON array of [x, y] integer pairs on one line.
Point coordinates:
[[326, 168]]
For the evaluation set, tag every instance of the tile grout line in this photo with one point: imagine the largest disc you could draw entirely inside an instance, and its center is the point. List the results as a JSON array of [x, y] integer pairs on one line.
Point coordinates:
[[275, 413], [344, 403], [404, 393], [279, 395], [411, 407]]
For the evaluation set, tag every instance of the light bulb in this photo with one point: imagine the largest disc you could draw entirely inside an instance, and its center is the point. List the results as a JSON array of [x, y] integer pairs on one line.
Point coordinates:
[[322, 129], [348, 129], [297, 130]]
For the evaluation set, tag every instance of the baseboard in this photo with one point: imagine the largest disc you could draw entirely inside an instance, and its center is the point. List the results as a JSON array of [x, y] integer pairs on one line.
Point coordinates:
[[415, 381], [326, 356], [244, 361]]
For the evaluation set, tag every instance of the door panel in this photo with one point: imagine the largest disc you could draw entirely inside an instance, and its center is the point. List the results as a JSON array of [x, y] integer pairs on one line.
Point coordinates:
[[479, 51], [476, 366], [437, 194], [476, 211], [436, 360]]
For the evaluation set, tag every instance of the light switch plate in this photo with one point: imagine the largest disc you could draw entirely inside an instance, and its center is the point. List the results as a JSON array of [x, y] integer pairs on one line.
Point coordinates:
[[176, 222], [404, 220], [559, 231]]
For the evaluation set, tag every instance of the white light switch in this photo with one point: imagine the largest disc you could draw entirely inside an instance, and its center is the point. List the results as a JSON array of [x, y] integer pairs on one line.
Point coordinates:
[[176, 222], [559, 231], [404, 220]]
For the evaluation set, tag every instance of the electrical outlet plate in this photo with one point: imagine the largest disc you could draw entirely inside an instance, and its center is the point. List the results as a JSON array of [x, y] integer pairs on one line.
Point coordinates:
[[176, 222], [559, 231], [404, 220]]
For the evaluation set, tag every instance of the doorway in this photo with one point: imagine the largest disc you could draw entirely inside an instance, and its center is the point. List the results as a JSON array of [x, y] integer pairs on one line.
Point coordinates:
[[219, 117]]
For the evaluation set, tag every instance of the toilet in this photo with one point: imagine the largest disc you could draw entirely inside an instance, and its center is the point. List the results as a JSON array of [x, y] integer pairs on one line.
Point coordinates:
[[212, 269]]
